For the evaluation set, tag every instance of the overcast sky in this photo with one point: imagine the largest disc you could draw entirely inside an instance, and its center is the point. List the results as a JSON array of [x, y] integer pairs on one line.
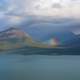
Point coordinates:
[[13, 12]]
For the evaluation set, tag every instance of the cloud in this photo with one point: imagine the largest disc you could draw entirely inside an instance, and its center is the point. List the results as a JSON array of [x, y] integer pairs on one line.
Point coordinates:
[[56, 5], [39, 28], [43, 7], [14, 12]]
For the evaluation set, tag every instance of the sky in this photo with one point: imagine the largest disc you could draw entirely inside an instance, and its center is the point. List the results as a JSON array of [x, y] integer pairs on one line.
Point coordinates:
[[57, 14]]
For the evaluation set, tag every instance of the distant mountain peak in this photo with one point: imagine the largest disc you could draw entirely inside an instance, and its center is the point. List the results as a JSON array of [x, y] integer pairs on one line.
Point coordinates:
[[13, 31], [13, 38]]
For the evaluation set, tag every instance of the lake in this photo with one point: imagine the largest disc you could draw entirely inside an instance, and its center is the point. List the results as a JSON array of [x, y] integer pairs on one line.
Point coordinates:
[[39, 67]]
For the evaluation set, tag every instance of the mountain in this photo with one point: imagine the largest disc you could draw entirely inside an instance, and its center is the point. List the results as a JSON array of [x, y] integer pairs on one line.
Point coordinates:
[[40, 27], [14, 38], [77, 42], [61, 38]]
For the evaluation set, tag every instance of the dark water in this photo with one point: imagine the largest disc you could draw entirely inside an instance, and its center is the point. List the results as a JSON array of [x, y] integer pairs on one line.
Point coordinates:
[[38, 67], [45, 51]]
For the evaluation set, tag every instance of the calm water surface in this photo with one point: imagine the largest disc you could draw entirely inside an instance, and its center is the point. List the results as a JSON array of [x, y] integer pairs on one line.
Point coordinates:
[[39, 67]]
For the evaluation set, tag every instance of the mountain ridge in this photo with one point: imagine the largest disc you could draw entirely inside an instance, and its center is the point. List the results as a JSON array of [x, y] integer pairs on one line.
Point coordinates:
[[14, 38]]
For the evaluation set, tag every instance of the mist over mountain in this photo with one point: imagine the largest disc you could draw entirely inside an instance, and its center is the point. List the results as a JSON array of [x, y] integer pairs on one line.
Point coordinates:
[[17, 38], [45, 31], [42, 29]]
